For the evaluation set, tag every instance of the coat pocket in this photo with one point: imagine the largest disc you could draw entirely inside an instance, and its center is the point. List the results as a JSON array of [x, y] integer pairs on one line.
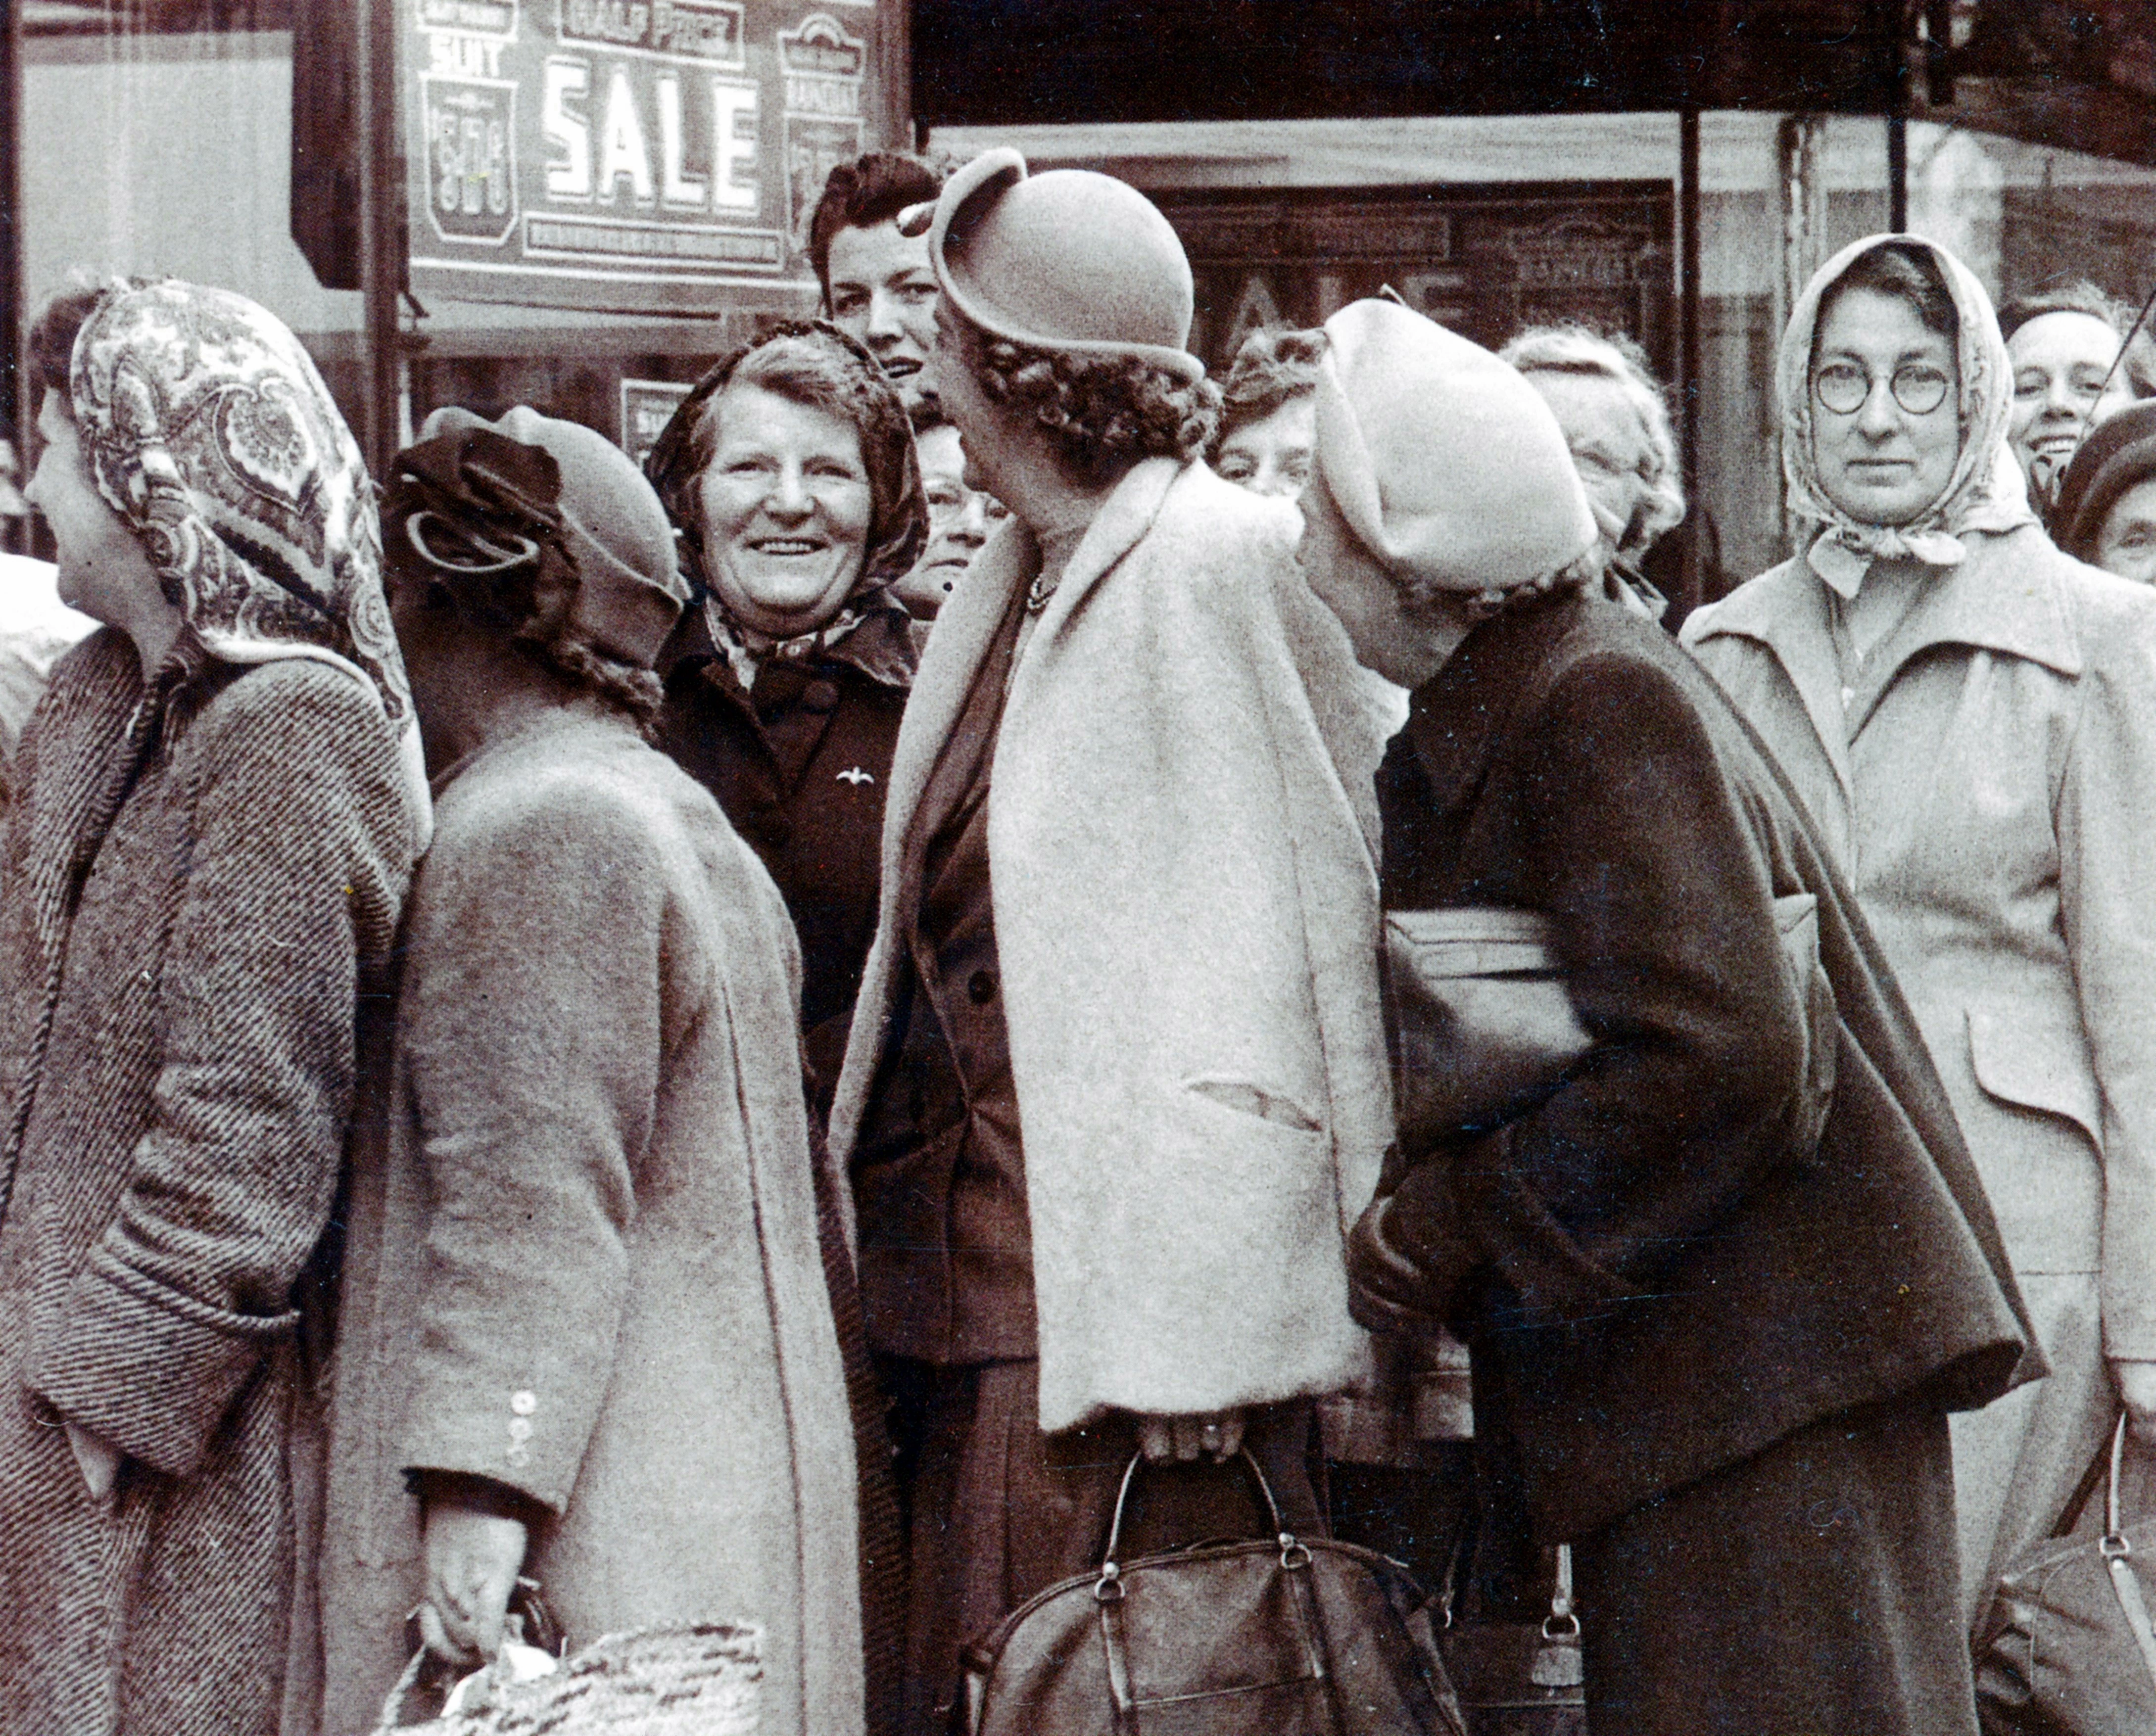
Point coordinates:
[[2036, 1063]]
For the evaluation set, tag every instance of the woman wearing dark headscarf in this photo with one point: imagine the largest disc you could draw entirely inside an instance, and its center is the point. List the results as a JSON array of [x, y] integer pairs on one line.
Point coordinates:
[[789, 472], [220, 799], [1970, 716]]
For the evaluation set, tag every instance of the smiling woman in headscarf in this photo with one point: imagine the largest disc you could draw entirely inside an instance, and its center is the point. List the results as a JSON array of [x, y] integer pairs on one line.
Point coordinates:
[[220, 800], [1971, 717], [789, 473]]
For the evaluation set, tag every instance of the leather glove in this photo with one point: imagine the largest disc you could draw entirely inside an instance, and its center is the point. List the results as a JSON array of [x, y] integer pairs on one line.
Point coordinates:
[[1407, 1254]]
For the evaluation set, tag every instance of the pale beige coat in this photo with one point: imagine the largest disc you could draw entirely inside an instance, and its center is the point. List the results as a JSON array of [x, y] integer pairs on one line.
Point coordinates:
[[1988, 787], [1186, 908], [583, 1257]]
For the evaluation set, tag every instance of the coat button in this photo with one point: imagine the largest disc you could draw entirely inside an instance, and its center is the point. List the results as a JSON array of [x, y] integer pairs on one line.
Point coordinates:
[[981, 987], [820, 696], [518, 1457], [520, 1429], [523, 1403]]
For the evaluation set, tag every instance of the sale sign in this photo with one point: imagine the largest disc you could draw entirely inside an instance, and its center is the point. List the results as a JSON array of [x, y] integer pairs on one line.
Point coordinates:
[[644, 156]]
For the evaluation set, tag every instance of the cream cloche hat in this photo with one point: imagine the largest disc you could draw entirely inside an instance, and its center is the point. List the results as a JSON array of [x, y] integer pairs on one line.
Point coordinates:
[[1444, 461]]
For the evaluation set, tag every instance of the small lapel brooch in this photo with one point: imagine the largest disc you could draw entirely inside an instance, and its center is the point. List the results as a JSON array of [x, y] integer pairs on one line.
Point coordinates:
[[854, 775]]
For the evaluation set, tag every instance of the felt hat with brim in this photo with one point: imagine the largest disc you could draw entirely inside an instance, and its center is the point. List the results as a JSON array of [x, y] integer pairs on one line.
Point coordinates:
[[1066, 261], [630, 592], [1444, 461], [2120, 453]]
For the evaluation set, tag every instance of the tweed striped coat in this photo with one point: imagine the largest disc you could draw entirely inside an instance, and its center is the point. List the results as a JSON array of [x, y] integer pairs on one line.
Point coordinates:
[[199, 886]]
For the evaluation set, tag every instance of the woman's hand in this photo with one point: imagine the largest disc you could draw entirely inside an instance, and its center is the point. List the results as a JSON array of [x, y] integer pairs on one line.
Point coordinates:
[[1218, 1436], [473, 1559], [2137, 1391]]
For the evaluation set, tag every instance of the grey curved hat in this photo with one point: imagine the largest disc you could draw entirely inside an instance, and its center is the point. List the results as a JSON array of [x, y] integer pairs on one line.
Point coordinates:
[[1067, 260]]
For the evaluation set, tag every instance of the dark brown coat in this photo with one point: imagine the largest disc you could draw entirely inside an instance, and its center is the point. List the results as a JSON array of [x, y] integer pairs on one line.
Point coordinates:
[[1664, 1284], [799, 767], [179, 1056]]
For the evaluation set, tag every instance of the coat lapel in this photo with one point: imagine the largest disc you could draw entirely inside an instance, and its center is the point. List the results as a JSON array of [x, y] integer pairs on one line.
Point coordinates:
[[964, 634], [1974, 605], [1786, 611]]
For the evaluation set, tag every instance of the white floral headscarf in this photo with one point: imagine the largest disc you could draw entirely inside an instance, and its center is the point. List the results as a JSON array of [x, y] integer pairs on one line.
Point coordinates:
[[207, 429], [1985, 494]]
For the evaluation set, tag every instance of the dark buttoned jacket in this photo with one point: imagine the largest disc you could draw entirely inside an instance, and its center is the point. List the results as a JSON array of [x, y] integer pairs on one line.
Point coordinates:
[[939, 1164], [1664, 1276], [798, 763]]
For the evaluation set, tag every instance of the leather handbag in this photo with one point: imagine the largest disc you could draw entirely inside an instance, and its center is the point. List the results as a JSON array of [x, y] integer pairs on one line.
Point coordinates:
[[1268, 1637], [1480, 1024], [2069, 1649], [1477, 1015], [1517, 1678]]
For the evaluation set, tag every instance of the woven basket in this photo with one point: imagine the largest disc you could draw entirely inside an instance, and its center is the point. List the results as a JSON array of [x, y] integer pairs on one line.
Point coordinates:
[[697, 1679]]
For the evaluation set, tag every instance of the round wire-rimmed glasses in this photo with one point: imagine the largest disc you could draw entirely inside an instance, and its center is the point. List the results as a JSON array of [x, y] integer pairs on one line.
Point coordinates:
[[1918, 387]]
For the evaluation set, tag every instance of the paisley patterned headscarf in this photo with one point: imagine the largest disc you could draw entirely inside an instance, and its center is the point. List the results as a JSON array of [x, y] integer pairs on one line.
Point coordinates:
[[1985, 492], [205, 426]]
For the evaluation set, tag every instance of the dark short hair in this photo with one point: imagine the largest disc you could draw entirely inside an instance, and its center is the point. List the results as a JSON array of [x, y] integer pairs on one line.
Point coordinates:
[[1102, 413], [1273, 365], [813, 363], [1909, 274], [2080, 296], [859, 195], [50, 347]]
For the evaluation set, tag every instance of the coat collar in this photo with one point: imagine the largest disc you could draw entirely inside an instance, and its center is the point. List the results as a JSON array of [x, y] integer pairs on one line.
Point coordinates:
[[1456, 718], [881, 647], [966, 630], [2008, 596]]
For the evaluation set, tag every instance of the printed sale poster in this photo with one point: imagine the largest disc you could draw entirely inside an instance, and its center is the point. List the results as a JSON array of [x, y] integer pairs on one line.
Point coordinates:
[[643, 155]]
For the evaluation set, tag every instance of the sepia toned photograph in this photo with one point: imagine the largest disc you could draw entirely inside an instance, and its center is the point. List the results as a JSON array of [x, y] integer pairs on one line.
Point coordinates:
[[1027, 867]]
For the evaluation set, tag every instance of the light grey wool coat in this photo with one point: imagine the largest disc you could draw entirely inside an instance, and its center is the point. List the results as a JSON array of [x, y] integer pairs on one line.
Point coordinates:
[[179, 1059], [582, 1256], [1987, 786], [1186, 916]]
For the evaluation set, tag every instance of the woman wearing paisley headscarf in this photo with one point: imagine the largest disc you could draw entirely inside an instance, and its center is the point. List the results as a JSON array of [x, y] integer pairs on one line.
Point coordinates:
[[790, 474], [220, 801], [1970, 716]]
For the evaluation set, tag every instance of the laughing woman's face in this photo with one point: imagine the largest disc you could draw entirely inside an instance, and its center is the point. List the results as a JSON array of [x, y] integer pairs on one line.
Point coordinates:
[[2062, 362], [786, 505]]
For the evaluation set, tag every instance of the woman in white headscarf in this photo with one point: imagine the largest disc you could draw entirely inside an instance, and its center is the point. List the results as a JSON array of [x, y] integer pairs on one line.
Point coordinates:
[[1971, 717]]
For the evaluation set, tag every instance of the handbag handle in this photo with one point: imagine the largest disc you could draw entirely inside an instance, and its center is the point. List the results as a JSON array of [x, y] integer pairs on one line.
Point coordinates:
[[1109, 1569], [2118, 1556], [1109, 1587]]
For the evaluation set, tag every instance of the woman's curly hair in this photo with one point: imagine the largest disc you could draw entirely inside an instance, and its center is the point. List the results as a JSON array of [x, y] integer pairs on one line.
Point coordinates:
[[1275, 365], [1102, 413]]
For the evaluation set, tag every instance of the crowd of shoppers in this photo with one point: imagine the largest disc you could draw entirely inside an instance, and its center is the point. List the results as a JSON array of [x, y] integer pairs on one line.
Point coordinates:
[[590, 1052]]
